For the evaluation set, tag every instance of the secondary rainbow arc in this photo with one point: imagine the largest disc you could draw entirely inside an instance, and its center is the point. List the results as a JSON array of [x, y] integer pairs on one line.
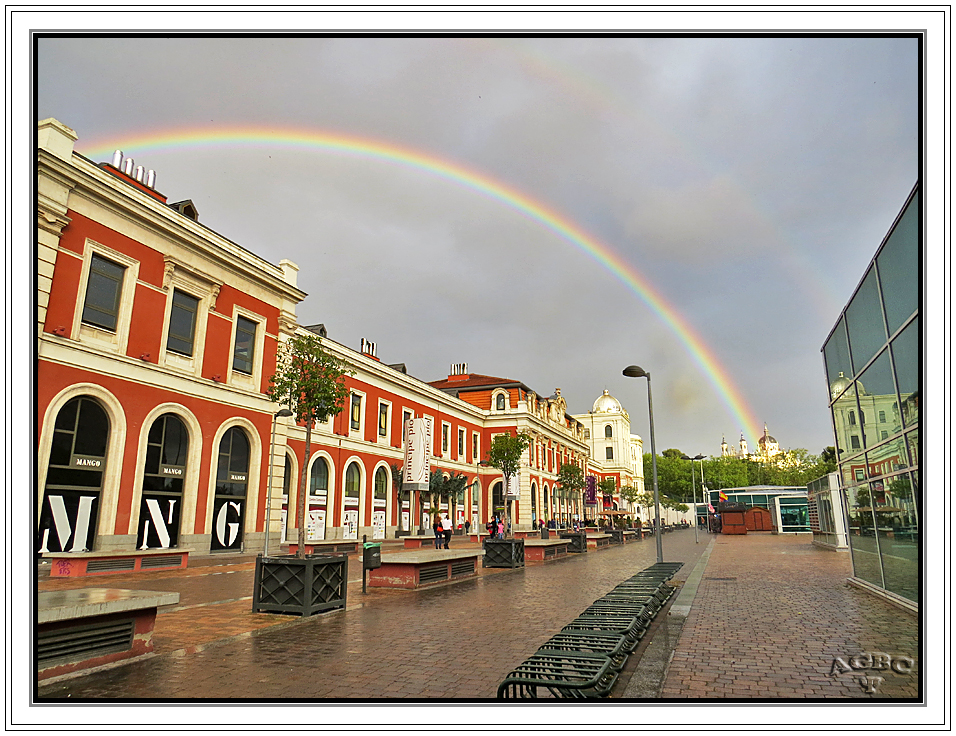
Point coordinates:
[[563, 227]]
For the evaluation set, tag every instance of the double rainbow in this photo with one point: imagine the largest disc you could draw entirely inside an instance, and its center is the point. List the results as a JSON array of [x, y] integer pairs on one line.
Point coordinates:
[[474, 180]]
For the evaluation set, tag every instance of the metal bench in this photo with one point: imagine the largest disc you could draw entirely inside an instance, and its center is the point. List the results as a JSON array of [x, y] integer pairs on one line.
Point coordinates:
[[561, 674], [89, 627], [583, 660]]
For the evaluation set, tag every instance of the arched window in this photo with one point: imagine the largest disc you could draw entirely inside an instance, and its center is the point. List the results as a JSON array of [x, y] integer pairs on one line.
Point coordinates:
[[381, 484], [163, 479], [232, 480], [534, 503], [497, 498], [500, 402], [319, 478], [318, 499], [353, 481], [74, 477], [608, 432], [353, 490]]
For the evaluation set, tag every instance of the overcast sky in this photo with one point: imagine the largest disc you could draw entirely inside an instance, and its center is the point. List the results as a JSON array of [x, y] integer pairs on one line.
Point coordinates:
[[749, 180]]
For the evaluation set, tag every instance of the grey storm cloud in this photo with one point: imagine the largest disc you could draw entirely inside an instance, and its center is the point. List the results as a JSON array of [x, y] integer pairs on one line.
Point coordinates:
[[747, 181]]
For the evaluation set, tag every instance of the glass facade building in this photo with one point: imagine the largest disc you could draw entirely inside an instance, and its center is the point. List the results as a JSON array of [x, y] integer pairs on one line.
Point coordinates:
[[873, 368]]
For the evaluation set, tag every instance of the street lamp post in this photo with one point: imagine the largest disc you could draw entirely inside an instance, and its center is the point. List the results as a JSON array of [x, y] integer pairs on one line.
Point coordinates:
[[633, 371], [272, 443], [694, 488]]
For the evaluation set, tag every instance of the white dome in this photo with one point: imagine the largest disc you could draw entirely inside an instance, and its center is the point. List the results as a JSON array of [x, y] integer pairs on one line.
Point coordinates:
[[607, 404]]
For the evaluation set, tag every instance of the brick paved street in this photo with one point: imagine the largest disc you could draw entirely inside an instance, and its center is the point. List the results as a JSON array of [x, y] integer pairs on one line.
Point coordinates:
[[770, 616], [787, 609]]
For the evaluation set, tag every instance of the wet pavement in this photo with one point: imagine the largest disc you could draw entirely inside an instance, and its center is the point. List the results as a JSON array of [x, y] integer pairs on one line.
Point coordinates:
[[459, 640]]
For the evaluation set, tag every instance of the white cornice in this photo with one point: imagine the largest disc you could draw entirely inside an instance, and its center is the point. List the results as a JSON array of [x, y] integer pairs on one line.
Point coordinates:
[[67, 352], [142, 210]]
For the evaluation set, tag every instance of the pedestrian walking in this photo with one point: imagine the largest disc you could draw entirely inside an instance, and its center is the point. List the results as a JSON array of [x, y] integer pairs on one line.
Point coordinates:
[[447, 529], [439, 532], [501, 529]]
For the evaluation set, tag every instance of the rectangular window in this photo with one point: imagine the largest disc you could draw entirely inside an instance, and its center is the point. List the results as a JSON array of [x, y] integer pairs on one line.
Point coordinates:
[[854, 442], [382, 420], [882, 417], [610, 452], [245, 345], [406, 415], [444, 438], [356, 414], [182, 323], [461, 444], [474, 447], [103, 290]]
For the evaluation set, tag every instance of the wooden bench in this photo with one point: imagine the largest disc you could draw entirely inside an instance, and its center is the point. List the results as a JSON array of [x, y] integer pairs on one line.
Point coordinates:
[[335, 546], [89, 627], [545, 550], [81, 564], [418, 568], [419, 541], [598, 541]]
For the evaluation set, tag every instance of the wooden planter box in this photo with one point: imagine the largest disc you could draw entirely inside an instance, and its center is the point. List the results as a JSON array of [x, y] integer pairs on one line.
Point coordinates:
[[303, 586], [503, 553]]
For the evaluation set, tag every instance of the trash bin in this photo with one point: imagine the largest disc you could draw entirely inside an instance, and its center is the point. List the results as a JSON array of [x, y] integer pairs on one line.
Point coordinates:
[[545, 533], [371, 555]]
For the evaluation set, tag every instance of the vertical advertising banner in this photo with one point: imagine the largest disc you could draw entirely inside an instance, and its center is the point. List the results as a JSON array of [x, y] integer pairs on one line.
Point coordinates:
[[590, 491], [418, 435], [513, 488]]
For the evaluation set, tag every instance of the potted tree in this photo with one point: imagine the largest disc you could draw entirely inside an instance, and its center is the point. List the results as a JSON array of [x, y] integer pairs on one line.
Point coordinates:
[[571, 480], [311, 383], [505, 454]]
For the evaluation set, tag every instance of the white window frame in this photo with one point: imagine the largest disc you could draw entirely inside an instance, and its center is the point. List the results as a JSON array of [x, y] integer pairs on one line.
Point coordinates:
[[460, 447], [360, 432], [446, 439], [238, 378], [379, 438], [191, 364], [113, 341]]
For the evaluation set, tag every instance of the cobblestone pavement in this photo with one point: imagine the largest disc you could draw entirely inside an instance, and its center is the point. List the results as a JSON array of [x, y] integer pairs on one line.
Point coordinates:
[[771, 615], [454, 641]]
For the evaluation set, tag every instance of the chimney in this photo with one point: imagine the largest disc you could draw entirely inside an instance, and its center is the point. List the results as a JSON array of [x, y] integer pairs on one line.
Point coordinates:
[[369, 349], [459, 372]]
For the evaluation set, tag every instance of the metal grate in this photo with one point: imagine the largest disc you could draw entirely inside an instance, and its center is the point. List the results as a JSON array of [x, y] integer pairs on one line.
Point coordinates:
[[119, 564], [161, 561], [433, 573], [462, 567], [85, 641]]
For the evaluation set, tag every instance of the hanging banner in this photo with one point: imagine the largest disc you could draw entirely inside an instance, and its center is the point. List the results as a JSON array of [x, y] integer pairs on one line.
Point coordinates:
[[590, 491], [514, 487], [418, 440]]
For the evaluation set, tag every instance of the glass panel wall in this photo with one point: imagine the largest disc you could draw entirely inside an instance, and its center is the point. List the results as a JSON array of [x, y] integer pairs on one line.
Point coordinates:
[[874, 387]]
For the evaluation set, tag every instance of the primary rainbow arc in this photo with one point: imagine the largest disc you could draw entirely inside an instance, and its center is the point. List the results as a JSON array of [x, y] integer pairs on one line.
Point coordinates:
[[479, 182]]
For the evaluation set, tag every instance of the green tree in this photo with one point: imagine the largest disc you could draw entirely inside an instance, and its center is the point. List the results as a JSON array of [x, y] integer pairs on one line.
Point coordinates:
[[630, 494], [505, 454], [310, 381], [571, 480]]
